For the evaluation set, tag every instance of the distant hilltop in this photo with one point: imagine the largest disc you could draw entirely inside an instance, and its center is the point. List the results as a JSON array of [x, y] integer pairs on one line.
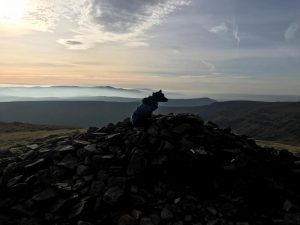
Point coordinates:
[[64, 92]]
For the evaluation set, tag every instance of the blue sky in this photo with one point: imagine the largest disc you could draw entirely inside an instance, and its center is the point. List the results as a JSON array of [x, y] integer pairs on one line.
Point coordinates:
[[188, 46]]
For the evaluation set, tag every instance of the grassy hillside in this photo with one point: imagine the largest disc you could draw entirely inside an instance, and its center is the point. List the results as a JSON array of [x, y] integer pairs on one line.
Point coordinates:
[[23, 137], [277, 121], [279, 146], [78, 114], [19, 127], [22, 133]]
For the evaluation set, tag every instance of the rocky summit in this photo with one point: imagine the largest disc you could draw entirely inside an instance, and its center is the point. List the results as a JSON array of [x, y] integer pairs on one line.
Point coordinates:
[[176, 170]]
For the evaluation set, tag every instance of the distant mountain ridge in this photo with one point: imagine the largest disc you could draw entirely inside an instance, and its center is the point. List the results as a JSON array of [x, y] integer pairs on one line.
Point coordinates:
[[45, 93], [275, 121]]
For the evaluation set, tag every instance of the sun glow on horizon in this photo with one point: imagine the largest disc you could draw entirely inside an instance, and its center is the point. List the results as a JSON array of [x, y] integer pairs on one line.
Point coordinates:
[[12, 11]]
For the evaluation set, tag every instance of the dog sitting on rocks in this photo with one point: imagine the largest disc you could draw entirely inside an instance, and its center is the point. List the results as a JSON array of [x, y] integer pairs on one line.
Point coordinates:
[[144, 111]]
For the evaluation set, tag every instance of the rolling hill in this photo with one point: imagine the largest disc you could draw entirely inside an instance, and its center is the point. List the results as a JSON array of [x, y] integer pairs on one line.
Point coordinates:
[[274, 121]]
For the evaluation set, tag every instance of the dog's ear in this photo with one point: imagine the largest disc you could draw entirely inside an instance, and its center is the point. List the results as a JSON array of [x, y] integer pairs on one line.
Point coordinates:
[[160, 91]]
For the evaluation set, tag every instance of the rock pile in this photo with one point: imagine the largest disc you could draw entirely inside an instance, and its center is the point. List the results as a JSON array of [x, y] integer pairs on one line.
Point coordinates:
[[177, 170]]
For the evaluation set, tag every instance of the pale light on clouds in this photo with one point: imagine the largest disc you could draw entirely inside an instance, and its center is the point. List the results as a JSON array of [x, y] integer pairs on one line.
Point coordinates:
[[219, 28], [227, 28], [11, 12], [116, 21], [291, 31], [176, 44]]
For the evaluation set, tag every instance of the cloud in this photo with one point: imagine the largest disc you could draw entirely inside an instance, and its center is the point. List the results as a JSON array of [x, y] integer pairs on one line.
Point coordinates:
[[291, 31], [227, 28], [70, 42], [235, 33], [218, 29], [43, 15], [120, 21], [99, 21], [211, 67]]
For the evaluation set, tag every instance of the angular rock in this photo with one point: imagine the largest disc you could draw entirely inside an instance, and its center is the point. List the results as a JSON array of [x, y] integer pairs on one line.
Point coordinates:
[[112, 195], [91, 148], [45, 195], [35, 165], [146, 221], [137, 164], [166, 214], [78, 209], [84, 223], [175, 170], [65, 149], [82, 170], [33, 146], [14, 180], [97, 188], [126, 220], [183, 128], [68, 162]]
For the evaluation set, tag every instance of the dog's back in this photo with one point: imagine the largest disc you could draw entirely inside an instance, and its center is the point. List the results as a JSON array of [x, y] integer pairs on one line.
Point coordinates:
[[144, 111]]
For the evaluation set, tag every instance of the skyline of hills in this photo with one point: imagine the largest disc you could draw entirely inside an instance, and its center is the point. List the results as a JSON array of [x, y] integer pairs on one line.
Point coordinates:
[[275, 121]]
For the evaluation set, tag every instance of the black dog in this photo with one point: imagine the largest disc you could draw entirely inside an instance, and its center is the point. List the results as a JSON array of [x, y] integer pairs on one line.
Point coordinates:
[[144, 111]]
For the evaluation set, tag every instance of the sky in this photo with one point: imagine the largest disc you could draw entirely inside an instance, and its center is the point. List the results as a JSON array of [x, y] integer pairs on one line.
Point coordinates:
[[184, 46]]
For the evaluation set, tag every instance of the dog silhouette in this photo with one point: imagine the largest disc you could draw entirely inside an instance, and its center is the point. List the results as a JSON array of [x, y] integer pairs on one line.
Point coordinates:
[[144, 111]]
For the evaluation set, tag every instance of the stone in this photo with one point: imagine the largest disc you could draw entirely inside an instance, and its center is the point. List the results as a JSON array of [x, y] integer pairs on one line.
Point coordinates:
[[78, 185], [126, 220], [65, 149], [91, 148], [78, 209], [80, 143], [136, 214], [150, 175], [137, 164], [84, 223], [33, 146], [112, 195], [45, 195], [35, 165], [23, 210], [16, 151], [166, 214], [155, 218], [5, 161], [14, 180], [112, 136], [146, 221], [183, 128], [68, 162], [63, 187], [19, 189], [97, 188], [188, 218], [287, 205], [28, 155], [82, 170]]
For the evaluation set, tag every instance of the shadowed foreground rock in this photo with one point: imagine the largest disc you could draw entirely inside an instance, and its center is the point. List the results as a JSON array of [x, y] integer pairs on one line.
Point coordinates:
[[175, 171]]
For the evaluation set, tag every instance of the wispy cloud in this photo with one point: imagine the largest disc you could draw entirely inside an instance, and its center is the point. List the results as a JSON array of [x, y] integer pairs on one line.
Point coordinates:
[[102, 21], [291, 31], [219, 28], [235, 33], [211, 67], [99, 21], [227, 28]]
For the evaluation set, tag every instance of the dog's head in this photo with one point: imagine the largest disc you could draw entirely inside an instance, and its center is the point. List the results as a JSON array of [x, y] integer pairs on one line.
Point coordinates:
[[159, 96]]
